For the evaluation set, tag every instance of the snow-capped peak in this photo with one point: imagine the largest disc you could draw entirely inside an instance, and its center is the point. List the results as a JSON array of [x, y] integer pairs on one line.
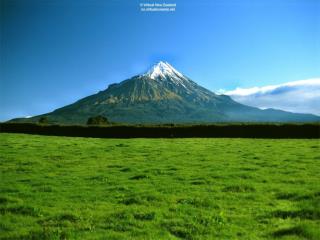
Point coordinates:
[[162, 69]]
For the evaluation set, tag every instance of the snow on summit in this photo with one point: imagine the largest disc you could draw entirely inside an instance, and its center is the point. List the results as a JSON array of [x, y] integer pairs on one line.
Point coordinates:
[[162, 70]]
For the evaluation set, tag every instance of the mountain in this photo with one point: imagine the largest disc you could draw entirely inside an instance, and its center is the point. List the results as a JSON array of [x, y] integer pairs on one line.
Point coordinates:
[[164, 95]]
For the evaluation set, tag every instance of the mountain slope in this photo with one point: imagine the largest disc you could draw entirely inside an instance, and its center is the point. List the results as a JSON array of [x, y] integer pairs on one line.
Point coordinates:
[[163, 95]]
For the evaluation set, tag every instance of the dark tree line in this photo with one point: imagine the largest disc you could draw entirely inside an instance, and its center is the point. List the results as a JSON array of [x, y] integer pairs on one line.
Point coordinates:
[[169, 131], [97, 120]]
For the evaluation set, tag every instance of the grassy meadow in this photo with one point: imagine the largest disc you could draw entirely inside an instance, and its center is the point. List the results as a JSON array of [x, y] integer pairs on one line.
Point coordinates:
[[197, 188]]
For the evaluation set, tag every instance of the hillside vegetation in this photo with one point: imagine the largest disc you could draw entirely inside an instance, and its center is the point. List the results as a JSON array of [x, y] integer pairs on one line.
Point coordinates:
[[163, 95], [83, 188]]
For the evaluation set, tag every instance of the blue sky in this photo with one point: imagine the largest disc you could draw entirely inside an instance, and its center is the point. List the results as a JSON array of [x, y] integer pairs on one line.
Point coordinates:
[[55, 52]]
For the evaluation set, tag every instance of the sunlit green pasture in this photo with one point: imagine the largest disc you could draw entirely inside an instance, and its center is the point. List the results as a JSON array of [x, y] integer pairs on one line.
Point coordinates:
[[84, 188]]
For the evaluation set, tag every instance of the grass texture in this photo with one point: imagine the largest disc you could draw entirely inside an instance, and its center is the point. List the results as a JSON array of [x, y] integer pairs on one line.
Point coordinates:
[[85, 188]]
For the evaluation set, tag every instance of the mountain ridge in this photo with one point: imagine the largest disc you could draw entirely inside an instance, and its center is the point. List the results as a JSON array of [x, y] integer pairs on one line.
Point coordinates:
[[164, 95]]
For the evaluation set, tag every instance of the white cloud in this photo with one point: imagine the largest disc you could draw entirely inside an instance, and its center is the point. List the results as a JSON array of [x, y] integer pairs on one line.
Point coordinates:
[[299, 96]]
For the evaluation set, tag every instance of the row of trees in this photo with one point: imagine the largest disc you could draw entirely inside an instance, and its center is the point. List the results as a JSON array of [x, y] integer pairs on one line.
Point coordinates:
[[161, 131]]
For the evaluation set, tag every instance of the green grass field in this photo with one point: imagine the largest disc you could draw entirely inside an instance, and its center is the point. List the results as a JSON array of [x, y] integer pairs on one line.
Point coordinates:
[[83, 188]]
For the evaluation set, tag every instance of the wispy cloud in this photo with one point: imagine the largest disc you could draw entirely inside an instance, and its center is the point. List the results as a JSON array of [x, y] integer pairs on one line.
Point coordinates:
[[299, 96]]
